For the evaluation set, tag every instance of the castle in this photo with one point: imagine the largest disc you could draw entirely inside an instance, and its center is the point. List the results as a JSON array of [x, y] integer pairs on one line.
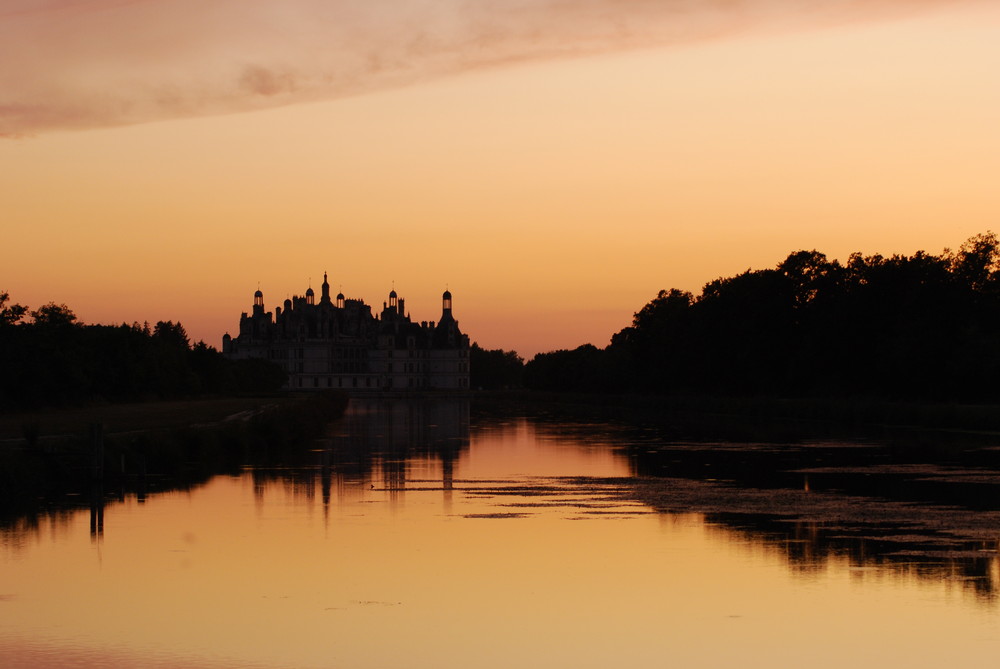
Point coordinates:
[[340, 344]]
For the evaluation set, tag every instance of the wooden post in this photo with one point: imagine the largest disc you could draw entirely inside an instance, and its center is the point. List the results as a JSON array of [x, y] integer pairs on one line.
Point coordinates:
[[97, 511]]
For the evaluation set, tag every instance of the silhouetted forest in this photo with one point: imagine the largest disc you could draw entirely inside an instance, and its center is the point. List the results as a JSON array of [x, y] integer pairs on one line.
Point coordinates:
[[53, 360], [899, 327], [494, 369]]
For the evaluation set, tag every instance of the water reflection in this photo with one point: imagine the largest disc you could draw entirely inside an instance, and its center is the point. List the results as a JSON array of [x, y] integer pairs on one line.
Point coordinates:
[[868, 505], [926, 512], [914, 505], [511, 540], [379, 445]]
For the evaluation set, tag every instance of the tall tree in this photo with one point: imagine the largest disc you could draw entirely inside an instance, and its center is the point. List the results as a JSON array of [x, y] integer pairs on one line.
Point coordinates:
[[10, 315]]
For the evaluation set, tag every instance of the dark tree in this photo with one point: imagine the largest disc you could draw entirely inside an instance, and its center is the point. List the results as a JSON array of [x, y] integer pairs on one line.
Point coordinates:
[[584, 369], [53, 315], [10, 315], [494, 369]]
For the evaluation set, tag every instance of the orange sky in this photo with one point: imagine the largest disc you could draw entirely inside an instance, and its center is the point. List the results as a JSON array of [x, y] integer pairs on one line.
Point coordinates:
[[554, 171]]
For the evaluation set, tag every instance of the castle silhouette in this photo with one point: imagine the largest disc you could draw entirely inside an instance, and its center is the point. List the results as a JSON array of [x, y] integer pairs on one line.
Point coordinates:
[[341, 345]]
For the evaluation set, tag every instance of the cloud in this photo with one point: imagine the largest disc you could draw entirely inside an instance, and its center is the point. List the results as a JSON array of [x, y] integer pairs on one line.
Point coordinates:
[[77, 64]]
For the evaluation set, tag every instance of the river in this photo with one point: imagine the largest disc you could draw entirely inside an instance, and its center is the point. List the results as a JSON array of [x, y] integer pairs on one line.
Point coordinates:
[[426, 535]]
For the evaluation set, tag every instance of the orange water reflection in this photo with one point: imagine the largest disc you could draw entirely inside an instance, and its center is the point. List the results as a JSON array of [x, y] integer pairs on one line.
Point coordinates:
[[493, 554]]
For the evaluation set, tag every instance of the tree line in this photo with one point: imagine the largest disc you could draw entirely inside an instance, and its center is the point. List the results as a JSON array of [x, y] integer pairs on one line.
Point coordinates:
[[49, 358], [900, 327], [494, 369], [922, 326]]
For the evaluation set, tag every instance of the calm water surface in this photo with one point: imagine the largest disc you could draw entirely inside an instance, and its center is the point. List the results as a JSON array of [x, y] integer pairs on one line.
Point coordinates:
[[422, 539]]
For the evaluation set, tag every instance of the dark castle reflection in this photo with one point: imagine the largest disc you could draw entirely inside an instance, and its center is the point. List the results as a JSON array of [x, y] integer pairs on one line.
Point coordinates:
[[386, 445]]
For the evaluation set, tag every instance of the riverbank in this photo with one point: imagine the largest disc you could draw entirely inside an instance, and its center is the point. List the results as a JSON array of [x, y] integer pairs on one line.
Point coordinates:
[[783, 418], [132, 416]]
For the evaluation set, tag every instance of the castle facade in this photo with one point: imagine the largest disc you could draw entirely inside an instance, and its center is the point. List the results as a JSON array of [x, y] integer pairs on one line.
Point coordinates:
[[340, 344]]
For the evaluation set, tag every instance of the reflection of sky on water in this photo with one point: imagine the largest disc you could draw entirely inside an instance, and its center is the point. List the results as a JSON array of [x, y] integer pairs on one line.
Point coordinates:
[[458, 543]]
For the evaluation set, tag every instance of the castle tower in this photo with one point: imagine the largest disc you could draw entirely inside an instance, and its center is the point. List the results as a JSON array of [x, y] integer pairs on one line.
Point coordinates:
[[258, 303], [446, 304], [325, 299], [310, 296]]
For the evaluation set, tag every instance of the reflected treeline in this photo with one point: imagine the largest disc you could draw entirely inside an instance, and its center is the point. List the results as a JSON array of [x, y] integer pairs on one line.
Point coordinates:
[[918, 502], [380, 444], [42, 481], [56, 518], [870, 550], [921, 504]]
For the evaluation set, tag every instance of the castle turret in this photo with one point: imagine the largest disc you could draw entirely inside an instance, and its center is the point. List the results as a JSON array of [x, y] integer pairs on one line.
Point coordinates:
[[258, 303], [325, 298], [446, 333]]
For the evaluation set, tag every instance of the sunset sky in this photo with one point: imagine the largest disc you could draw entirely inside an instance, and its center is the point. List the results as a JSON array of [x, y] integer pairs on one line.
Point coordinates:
[[554, 164]]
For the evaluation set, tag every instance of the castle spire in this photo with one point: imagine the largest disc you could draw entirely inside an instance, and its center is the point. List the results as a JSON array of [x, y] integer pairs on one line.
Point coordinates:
[[258, 301], [325, 297], [446, 304]]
